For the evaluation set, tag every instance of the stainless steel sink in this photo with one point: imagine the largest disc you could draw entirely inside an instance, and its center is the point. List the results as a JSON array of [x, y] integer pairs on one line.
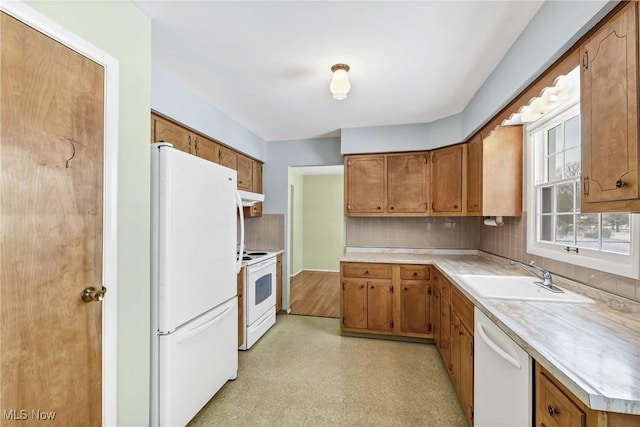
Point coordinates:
[[517, 288]]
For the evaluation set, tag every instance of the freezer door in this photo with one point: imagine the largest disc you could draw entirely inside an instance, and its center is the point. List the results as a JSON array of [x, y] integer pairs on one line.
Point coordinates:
[[195, 362], [194, 224]]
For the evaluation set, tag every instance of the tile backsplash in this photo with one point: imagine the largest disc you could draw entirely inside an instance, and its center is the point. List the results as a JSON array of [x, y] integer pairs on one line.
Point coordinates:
[[430, 232], [265, 232], [510, 241]]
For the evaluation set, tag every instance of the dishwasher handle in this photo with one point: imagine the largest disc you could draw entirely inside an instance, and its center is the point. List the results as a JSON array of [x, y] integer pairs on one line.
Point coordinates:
[[506, 356]]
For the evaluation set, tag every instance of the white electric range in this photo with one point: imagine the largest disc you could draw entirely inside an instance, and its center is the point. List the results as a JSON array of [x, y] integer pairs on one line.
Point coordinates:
[[259, 312]]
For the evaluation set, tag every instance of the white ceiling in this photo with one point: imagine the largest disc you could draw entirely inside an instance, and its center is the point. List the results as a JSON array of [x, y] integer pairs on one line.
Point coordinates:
[[267, 64]]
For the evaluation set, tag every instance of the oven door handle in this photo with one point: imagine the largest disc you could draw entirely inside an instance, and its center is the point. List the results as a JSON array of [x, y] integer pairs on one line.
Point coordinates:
[[241, 250]]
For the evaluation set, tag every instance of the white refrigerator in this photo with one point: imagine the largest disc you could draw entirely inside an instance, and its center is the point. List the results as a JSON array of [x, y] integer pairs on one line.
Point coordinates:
[[194, 307]]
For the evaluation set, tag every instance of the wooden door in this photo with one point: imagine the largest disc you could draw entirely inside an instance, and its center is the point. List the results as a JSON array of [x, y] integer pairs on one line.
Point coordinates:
[[447, 167], [354, 304], [415, 302], [206, 149], [163, 130], [474, 176], [51, 164], [228, 158], [245, 180], [364, 185], [609, 110], [380, 306], [408, 183]]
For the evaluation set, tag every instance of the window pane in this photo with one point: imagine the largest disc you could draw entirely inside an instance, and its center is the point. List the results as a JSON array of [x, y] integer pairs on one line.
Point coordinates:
[[546, 199], [616, 233], [546, 228], [554, 167], [572, 162], [572, 132], [554, 144], [564, 197], [564, 229], [578, 201], [588, 226]]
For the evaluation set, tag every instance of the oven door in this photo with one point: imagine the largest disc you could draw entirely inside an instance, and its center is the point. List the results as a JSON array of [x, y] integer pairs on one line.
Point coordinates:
[[260, 289]]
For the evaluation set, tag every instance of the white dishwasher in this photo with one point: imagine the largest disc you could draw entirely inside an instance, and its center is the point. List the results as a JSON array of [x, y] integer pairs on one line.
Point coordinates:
[[502, 382]]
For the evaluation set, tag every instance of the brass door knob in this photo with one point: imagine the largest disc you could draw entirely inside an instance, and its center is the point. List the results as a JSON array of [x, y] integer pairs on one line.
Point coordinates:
[[92, 294]]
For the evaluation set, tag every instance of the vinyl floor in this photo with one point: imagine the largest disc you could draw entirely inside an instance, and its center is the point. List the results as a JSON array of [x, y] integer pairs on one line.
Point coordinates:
[[302, 372]]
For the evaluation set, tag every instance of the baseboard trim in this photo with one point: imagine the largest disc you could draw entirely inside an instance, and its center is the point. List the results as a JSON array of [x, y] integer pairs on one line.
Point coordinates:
[[321, 270]]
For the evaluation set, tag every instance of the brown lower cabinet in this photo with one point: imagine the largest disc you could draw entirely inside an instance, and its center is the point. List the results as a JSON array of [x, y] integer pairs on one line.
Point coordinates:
[[388, 299], [556, 406], [240, 307]]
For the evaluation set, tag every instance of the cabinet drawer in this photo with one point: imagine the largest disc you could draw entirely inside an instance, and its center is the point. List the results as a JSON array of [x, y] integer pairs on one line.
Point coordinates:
[[554, 408], [462, 306], [417, 272], [374, 271]]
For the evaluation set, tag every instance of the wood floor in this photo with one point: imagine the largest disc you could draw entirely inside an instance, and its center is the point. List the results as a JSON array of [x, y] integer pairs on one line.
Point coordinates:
[[316, 293]]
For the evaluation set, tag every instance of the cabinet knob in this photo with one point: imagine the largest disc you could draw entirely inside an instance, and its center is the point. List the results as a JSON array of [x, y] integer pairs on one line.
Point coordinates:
[[455, 206], [379, 207], [366, 272], [371, 286], [390, 208], [619, 183], [415, 273], [552, 411], [406, 289]]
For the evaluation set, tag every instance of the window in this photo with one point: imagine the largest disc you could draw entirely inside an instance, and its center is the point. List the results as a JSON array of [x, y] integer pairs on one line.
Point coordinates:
[[556, 227]]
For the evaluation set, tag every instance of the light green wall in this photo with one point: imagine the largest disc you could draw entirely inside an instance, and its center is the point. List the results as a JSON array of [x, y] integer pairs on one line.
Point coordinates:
[[120, 29], [323, 222], [295, 221]]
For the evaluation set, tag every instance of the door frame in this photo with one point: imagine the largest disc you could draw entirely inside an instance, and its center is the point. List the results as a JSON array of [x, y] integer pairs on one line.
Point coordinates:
[[47, 26]]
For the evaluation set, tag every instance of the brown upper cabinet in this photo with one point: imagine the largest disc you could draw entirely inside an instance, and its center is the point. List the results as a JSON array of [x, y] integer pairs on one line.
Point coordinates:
[[163, 130], [365, 185], [245, 173], [206, 148], [494, 173], [448, 179], [408, 183], [609, 110], [387, 184], [228, 158]]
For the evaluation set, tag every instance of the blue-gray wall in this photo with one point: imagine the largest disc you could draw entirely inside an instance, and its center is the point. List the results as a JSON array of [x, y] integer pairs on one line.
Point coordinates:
[[177, 101]]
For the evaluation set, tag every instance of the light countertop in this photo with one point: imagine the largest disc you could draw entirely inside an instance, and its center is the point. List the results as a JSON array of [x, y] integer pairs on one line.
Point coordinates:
[[593, 349]]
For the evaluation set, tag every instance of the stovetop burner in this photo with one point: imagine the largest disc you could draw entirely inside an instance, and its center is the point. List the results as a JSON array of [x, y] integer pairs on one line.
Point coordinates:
[[256, 253]]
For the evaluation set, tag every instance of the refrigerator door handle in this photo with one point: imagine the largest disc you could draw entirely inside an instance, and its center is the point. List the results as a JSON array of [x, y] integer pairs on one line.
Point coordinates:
[[241, 250], [205, 325]]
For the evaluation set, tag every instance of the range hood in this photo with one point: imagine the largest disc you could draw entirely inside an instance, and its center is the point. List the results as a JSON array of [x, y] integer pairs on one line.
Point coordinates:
[[250, 199]]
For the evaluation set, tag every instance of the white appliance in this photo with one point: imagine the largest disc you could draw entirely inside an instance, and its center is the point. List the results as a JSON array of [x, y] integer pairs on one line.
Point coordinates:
[[259, 296], [194, 307], [503, 375]]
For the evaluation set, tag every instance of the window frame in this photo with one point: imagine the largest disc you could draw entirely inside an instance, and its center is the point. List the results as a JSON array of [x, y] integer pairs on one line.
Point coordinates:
[[610, 262]]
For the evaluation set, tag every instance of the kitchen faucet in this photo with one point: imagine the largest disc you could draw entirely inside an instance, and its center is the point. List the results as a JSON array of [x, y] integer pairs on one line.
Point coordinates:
[[545, 276]]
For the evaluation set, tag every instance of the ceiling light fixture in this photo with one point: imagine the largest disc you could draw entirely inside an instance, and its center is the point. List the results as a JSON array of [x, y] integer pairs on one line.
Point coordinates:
[[340, 82]]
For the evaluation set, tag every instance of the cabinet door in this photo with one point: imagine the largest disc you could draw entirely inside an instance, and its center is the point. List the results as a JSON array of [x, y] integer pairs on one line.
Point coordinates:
[[502, 172], [245, 179], [456, 351], [364, 185], [609, 109], [278, 283], [474, 176], [447, 169], [407, 183], [435, 315], [553, 407], [380, 306], [354, 304], [207, 149], [256, 177], [466, 372], [228, 158], [415, 300], [241, 307], [165, 131]]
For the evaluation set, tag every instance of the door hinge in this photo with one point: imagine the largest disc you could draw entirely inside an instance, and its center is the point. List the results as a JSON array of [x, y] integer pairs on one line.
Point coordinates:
[[391, 324], [391, 288], [344, 320], [429, 328], [429, 290], [348, 163], [433, 206], [344, 288], [189, 144]]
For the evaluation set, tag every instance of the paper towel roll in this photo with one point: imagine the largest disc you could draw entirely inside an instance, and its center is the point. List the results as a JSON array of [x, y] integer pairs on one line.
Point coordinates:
[[494, 222]]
